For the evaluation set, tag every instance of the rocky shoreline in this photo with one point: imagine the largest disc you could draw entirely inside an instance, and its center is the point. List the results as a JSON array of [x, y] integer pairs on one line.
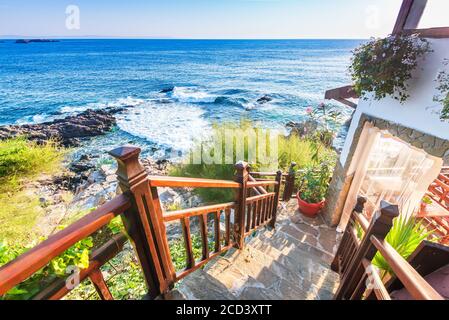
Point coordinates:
[[87, 181], [69, 131]]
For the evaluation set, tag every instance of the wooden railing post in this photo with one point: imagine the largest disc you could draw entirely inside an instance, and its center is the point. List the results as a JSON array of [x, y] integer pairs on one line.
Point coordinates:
[[289, 182], [241, 176], [142, 223], [346, 238], [380, 226], [277, 190]]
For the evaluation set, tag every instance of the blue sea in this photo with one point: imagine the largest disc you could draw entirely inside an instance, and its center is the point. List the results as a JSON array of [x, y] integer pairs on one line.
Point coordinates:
[[214, 81]]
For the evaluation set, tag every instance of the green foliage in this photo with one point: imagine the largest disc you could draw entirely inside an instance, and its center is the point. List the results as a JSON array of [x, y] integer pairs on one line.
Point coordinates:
[[443, 89], [405, 236], [123, 276], [384, 66], [179, 254], [77, 255], [22, 160], [315, 182], [304, 151], [116, 225]]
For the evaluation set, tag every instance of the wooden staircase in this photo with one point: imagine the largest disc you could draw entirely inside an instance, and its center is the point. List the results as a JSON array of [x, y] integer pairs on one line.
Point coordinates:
[[291, 262]]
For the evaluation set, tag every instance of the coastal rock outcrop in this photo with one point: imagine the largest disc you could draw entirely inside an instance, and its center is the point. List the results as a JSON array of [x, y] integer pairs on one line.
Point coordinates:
[[264, 99], [67, 131]]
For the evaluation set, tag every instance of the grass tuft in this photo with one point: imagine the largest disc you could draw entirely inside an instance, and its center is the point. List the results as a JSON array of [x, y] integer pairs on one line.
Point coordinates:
[[22, 161]]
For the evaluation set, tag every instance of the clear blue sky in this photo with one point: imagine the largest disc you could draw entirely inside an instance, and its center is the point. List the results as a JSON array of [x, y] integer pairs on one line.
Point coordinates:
[[209, 18]]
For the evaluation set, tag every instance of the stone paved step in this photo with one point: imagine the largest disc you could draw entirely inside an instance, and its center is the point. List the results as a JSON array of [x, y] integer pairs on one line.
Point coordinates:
[[294, 264], [201, 286], [239, 271], [290, 262]]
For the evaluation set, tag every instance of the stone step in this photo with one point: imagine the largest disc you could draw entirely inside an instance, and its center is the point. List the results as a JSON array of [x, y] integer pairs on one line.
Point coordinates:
[[199, 285], [239, 271], [287, 244], [317, 280]]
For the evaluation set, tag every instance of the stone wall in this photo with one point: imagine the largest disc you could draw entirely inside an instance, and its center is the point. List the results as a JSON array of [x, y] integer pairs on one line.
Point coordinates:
[[341, 182]]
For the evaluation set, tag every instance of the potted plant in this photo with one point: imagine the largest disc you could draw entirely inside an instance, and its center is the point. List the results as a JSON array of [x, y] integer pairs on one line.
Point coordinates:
[[384, 66], [313, 189]]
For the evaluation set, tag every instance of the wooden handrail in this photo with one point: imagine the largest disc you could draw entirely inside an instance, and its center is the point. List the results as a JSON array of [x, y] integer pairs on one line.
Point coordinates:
[[266, 174], [259, 197], [30, 262], [57, 289], [256, 184], [360, 218], [416, 285], [177, 182], [179, 214]]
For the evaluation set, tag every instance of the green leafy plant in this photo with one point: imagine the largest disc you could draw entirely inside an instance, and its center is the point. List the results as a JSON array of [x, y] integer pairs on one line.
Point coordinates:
[[443, 89], [315, 183], [116, 225], [384, 66], [405, 236], [305, 151], [77, 255]]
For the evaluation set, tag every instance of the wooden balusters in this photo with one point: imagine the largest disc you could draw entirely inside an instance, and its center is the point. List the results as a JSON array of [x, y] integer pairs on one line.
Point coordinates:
[[204, 240], [185, 225], [100, 285], [289, 183], [346, 249], [217, 231], [228, 227], [240, 210], [379, 227], [143, 221], [277, 189]]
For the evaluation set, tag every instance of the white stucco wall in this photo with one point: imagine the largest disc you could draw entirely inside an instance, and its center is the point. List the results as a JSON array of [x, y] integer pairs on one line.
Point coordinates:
[[419, 112]]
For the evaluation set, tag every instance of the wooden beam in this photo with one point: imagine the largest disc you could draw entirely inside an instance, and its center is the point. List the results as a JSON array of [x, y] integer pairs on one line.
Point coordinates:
[[409, 15], [434, 33], [342, 95], [345, 92]]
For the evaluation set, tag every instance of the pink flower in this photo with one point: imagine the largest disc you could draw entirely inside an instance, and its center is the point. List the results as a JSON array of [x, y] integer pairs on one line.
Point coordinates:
[[309, 110]]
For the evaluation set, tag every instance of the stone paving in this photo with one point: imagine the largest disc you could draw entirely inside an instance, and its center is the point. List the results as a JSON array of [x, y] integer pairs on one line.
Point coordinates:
[[288, 263]]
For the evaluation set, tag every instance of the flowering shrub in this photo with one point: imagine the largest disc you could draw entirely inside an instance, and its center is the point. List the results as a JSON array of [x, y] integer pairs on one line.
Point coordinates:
[[384, 66], [443, 96]]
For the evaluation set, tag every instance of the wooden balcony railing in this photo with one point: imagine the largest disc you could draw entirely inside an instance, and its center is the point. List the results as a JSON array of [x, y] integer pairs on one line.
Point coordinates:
[[360, 243], [145, 222], [32, 261]]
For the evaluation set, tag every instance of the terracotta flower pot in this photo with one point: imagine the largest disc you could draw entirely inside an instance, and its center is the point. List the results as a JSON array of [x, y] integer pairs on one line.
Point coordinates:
[[309, 209]]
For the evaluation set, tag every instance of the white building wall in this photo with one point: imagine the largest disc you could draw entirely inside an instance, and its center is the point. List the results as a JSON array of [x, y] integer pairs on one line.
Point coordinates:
[[419, 112]]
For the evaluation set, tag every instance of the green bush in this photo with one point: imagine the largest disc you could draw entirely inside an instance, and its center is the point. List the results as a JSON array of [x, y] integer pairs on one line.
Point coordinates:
[[305, 152]]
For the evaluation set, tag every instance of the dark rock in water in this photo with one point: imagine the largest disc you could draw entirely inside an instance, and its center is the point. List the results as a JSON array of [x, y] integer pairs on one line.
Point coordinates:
[[264, 99], [167, 90], [26, 41], [67, 131]]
